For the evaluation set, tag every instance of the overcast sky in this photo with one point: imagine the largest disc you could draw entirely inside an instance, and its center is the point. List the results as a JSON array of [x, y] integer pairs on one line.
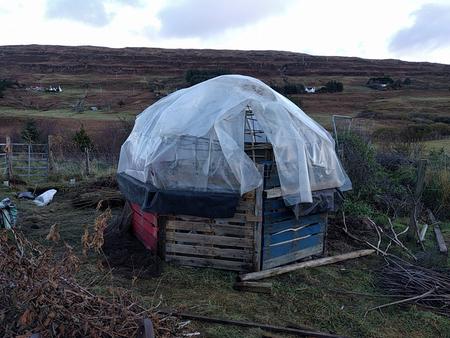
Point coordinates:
[[416, 30]]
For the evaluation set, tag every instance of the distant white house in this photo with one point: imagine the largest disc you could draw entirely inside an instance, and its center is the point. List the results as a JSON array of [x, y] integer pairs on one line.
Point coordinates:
[[54, 89], [310, 89]]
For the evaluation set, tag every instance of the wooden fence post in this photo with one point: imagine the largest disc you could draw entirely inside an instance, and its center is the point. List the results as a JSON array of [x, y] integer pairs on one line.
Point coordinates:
[[86, 151], [420, 182], [8, 150]]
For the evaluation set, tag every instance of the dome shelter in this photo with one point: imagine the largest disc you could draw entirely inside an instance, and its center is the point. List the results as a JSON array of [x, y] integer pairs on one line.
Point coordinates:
[[230, 174], [191, 144]]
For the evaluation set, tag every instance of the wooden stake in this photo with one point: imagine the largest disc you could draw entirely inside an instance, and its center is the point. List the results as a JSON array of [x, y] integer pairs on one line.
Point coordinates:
[[413, 227], [440, 239], [308, 264], [88, 171], [51, 160]]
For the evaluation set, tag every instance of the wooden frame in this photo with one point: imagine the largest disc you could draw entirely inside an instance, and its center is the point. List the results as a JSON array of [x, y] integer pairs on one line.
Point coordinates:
[[223, 243]]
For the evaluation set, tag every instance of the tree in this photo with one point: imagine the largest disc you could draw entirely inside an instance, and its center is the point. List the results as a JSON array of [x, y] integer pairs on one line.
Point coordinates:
[[30, 132], [82, 139], [334, 86]]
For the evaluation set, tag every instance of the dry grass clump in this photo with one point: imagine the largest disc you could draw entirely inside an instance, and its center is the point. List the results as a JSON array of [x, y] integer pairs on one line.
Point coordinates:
[[39, 294]]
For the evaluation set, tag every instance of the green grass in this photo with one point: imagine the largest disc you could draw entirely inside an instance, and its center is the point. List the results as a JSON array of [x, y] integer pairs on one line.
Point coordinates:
[[437, 145], [308, 298]]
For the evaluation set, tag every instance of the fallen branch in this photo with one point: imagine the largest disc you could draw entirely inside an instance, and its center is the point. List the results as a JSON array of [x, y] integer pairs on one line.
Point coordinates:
[[308, 264], [402, 301], [414, 282]]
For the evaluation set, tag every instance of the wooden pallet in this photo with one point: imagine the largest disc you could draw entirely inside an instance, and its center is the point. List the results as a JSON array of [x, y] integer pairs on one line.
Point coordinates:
[[286, 239], [222, 243]]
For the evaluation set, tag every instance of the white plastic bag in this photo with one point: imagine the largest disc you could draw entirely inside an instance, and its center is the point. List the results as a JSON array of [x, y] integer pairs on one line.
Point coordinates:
[[45, 198]]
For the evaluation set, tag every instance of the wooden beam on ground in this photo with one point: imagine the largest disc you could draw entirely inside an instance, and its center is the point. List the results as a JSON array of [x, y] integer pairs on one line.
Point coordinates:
[[308, 264], [440, 240], [256, 287], [294, 331]]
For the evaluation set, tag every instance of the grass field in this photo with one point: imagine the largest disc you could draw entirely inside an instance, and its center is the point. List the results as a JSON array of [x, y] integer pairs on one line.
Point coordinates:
[[62, 113], [316, 298], [436, 145]]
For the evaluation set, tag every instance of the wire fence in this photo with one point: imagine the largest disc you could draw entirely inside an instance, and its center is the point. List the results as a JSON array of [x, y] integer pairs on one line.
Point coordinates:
[[57, 159]]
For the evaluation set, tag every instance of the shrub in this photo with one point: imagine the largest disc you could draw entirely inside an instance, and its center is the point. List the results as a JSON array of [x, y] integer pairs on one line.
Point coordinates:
[[289, 88], [82, 139], [436, 195], [30, 132], [334, 86], [386, 80], [359, 161], [194, 76], [6, 83], [357, 208], [383, 188]]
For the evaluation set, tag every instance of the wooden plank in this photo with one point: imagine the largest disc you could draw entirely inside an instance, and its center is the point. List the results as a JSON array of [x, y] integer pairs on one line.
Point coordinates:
[[237, 218], [278, 216], [217, 229], [308, 264], [208, 239], [273, 193], [259, 212], [273, 204], [294, 245], [440, 240], [293, 256], [292, 234], [273, 228], [241, 254], [209, 263], [257, 287], [253, 218]]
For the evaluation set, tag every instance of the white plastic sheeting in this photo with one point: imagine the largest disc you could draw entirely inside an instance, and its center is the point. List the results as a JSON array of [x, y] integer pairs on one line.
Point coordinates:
[[193, 139]]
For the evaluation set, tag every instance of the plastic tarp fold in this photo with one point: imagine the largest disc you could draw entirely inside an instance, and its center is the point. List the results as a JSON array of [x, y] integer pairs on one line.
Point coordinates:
[[193, 139]]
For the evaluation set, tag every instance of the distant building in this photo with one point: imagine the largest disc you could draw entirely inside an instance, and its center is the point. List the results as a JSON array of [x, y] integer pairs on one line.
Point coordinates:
[[54, 89]]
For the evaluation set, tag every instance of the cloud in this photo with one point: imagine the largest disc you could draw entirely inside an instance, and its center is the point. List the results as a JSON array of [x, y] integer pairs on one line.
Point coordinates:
[[204, 18], [430, 31], [91, 12]]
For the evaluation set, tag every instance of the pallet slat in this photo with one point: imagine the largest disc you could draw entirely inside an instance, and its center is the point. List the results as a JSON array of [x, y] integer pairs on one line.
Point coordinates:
[[238, 254], [222, 243], [208, 239], [212, 228], [209, 263]]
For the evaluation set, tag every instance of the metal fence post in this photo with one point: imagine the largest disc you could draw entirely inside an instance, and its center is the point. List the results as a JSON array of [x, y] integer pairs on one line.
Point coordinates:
[[29, 160]]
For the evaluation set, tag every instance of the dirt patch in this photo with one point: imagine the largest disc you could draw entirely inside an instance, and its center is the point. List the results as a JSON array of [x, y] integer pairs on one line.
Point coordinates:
[[126, 255]]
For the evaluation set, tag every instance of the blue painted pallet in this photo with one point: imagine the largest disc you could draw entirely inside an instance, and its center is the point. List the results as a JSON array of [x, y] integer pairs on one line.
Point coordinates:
[[286, 239]]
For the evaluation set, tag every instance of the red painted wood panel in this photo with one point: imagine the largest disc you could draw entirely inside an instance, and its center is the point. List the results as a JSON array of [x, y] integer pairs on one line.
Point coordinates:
[[145, 227]]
